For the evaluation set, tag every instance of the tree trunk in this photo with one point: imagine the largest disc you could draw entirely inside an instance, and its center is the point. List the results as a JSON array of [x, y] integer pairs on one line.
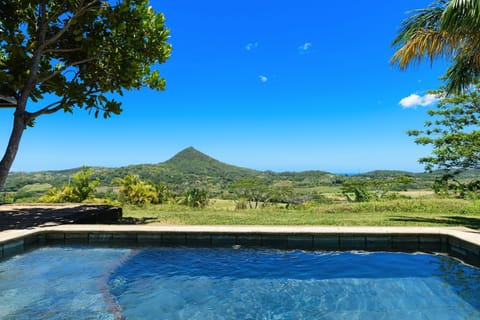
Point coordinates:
[[19, 125]]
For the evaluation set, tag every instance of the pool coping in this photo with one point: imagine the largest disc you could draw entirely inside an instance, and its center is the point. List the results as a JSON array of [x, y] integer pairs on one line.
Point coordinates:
[[459, 242]]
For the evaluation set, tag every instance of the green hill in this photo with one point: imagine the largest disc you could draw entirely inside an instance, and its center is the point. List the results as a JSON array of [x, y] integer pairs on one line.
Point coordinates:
[[191, 167], [192, 161], [186, 168]]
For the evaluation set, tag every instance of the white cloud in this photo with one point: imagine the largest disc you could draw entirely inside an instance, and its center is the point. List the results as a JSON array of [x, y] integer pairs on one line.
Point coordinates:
[[304, 48], [251, 45], [414, 100], [263, 78]]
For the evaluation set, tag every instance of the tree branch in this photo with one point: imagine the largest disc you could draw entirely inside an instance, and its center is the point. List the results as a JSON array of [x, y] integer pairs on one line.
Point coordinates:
[[63, 50], [72, 19], [59, 105], [54, 16], [37, 54], [48, 109], [59, 71]]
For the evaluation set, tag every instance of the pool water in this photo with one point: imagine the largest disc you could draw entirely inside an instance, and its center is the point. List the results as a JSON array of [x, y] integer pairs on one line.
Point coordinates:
[[214, 283]]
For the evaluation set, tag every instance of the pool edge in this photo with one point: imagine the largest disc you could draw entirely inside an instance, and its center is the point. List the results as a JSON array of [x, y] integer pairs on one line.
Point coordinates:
[[462, 243]]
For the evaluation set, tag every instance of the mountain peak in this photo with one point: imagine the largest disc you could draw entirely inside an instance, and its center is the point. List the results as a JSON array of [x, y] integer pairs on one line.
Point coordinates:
[[192, 161], [190, 154]]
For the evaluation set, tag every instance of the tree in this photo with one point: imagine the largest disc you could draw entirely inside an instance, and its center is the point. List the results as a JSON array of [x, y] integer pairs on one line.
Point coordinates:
[[80, 189], [254, 190], [366, 190], [78, 53], [454, 136], [445, 29], [356, 191]]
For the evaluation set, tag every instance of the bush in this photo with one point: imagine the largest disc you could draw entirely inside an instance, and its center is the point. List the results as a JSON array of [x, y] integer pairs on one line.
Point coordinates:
[[135, 191], [241, 205], [81, 189], [195, 198]]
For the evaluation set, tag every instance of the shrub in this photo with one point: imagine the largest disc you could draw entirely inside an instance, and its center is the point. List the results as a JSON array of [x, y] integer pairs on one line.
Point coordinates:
[[195, 198], [81, 189], [241, 204], [135, 191]]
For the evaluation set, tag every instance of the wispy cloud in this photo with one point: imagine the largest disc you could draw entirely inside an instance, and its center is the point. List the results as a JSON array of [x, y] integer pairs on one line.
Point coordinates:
[[251, 46], [263, 78], [414, 100], [304, 48]]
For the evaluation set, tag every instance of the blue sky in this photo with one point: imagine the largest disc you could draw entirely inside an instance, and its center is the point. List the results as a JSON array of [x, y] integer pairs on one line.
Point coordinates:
[[265, 84]]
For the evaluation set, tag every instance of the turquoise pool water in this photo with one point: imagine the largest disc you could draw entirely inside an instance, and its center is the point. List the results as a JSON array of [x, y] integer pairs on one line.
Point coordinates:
[[185, 283]]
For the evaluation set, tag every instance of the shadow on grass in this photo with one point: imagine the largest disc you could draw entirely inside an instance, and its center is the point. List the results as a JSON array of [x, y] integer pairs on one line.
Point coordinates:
[[26, 217], [469, 222], [131, 220]]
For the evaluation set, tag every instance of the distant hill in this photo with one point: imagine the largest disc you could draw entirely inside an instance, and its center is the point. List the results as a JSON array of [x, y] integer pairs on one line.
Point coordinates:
[[192, 161], [188, 167], [191, 167]]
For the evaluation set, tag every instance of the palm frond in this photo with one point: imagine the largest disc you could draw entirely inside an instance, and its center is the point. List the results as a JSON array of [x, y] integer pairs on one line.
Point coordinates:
[[427, 18], [465, 69], [462, 15], [426, 43]]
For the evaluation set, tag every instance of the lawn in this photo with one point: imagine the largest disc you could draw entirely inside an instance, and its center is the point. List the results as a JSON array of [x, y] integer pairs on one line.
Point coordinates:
[[409, 212]]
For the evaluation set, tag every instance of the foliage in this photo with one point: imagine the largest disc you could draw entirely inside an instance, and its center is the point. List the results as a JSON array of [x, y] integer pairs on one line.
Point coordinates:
[[218, 177], [7, 197], [454, 135], [31, 193], [446, 28], [135, 191], [417, 212], [77, 53], [195, 198], [253, 190], [164, 194], [80, 189], [356, 191], [241, 204], [448, 186], [366, 190]]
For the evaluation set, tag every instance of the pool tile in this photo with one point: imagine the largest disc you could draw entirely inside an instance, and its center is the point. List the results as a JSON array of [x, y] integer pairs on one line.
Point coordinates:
[[321, 242], [12, 247], [405, 243], [55, 236], [100, 237], [125, 237], [223, 240], [352, 243], [300, 242], [174, 239], [30, 240], [76, 236], [378, 243], [470, 248], [149, 238], [199, 240], [430, 243], [247, 240], [275, 241]]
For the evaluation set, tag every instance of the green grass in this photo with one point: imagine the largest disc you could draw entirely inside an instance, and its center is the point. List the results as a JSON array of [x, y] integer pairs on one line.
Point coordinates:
[[418, 212]]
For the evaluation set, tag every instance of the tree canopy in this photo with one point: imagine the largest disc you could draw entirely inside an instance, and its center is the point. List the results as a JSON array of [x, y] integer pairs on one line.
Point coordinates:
[[79, 53], [445, 29], [453, 133]]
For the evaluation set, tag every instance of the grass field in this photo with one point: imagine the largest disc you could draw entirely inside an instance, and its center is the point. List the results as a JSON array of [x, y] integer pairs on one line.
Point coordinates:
[[405, 212]]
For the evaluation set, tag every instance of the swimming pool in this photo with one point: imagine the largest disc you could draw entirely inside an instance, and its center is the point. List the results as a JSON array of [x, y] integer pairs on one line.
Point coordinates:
[[82, 282]]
